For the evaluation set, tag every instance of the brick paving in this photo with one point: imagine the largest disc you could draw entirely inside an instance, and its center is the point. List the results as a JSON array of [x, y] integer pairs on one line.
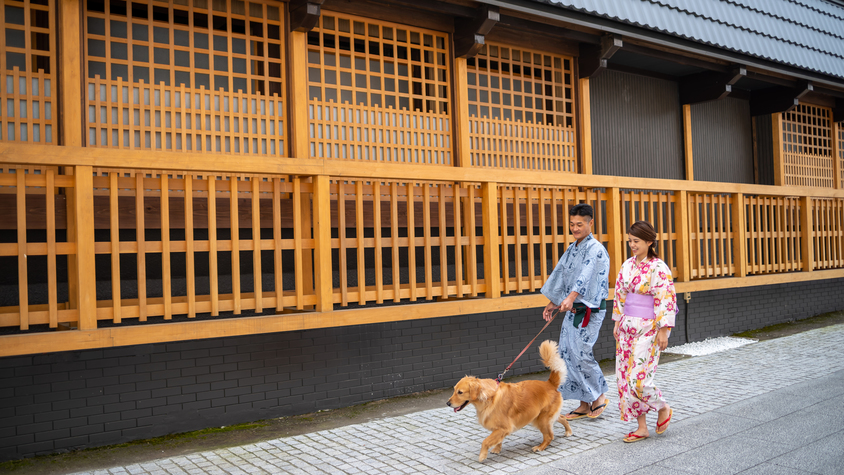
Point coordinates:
[[439, 441]]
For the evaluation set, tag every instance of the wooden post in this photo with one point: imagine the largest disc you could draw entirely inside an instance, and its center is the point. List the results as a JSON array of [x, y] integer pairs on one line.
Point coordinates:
[[837, 181], [687, 142], [322, 244], [70, 110], [298, 97], [83, 193], [807, 233], [492, 270], [681, 223], [463, 146], [615, 230], [776, 130], [585, 127], [739, 222]]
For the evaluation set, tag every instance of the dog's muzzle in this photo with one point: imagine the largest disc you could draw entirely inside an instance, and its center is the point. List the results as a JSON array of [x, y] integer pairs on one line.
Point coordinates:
[[457, 409]]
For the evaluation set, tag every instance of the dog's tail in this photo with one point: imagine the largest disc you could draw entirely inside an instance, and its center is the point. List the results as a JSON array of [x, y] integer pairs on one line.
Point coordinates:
[[551, 358]]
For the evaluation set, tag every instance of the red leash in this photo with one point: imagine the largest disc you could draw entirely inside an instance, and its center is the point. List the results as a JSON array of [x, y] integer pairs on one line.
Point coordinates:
[[501, 376]]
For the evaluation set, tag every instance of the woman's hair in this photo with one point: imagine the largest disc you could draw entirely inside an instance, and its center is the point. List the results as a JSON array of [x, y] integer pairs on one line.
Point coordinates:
[[644, 231]]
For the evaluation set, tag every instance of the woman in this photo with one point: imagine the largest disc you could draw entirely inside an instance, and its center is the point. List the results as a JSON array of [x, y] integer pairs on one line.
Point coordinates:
[[644, 309]]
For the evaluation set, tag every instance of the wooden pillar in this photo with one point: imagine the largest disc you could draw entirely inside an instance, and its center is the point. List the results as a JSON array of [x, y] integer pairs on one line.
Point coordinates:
[[322, 244], [462, 143], [585, 127], [681, 224], [687, 142], [298, 97], [779, 168], [807, 234], [739, 222], [616, 231], [492, 264], [837, 182], [85, 273]]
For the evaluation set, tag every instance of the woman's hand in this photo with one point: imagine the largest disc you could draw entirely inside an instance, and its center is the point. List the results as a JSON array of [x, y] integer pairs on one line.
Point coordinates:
[[549, 311], [662, 338], [615, 330]]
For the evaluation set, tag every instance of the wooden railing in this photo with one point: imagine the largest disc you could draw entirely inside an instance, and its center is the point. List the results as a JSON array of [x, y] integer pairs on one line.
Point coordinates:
[[312, 237], [157, 117]]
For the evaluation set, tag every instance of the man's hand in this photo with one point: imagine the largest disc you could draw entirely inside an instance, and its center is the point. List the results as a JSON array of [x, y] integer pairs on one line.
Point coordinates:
[[549, 311], [567, 304], [662, 338]]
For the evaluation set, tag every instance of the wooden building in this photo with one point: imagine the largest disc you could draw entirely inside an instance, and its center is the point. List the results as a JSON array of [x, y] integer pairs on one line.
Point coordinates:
[[217, 211]]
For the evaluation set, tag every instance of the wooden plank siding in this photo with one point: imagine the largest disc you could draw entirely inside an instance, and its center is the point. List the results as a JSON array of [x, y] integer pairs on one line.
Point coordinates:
[[317, 179]]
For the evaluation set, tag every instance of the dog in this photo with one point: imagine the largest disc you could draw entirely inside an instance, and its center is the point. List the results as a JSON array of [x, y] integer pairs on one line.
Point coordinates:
[[505, 408]]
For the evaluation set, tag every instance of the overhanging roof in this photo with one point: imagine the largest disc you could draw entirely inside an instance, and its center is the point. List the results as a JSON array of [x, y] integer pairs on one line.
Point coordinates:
[[805, 34]]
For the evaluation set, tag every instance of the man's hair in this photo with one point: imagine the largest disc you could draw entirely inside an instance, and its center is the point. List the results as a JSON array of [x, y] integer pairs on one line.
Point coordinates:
[[582, 209]]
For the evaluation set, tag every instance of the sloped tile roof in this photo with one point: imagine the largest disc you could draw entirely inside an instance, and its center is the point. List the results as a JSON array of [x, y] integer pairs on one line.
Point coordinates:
[[806, 34]]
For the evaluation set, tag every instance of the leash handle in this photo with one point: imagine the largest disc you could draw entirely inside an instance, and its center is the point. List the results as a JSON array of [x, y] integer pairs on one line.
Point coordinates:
[[501, 375]]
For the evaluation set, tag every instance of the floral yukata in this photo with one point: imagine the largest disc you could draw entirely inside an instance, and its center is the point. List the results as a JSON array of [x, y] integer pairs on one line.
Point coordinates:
[[584, 268], [637, 355]]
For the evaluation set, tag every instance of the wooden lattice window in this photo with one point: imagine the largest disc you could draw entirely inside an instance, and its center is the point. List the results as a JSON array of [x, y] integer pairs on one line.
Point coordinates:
[[27, 68], [378, 91], [807, 146], [521, 109], [203, 75]]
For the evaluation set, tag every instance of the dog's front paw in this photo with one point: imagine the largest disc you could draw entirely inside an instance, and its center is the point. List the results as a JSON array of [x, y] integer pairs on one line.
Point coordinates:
[[496, 449], [537, 448], [482, 456]]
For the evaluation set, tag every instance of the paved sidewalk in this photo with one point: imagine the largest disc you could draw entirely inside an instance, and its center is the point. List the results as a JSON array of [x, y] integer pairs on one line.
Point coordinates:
[[769, 407]]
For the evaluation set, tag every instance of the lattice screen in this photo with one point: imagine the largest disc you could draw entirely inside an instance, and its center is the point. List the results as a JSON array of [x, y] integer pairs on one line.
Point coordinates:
[[807, 146], [186, 75], [840, 156], [521, 109], [27, 69], [378, 91]]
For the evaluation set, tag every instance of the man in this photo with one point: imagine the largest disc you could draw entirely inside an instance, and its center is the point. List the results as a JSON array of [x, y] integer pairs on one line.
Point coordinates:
[[578, 287]]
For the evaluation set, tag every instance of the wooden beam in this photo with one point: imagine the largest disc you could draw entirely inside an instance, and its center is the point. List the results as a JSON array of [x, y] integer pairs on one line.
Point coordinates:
[[837, 181], [83, 192], [462, 141], [778, 99], [322, 244], [687, 142], [776, 132], [27, 344], [807, 240], [492, 237], [585, 127], [739, 234], [298, 97], [681, 225], [304, 15], [709, 85], [593, 59], [469, 33], [70, 67]]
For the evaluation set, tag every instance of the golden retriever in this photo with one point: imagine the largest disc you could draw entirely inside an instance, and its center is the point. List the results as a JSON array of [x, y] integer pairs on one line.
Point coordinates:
[[505, 408]]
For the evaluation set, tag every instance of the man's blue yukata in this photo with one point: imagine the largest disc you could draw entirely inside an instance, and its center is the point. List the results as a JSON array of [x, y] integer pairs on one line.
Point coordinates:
[[584, 268]]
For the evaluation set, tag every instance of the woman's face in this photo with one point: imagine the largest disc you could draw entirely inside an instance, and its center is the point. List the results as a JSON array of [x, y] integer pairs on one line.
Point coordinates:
[[638, 247]]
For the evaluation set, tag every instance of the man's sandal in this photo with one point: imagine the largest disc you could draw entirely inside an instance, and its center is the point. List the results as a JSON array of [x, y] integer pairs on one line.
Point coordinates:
[[600, 410], [631, 437], [660, 428], [575, 415]]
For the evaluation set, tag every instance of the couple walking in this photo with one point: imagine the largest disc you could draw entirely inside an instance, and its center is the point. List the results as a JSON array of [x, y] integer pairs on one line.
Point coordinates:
[[643, 310]]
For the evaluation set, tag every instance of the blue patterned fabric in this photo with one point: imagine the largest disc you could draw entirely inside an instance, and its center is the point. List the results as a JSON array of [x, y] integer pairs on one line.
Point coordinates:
[[584, 268]]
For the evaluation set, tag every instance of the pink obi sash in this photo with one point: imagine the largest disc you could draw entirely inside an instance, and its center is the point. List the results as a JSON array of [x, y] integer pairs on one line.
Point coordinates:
[[638, 305]]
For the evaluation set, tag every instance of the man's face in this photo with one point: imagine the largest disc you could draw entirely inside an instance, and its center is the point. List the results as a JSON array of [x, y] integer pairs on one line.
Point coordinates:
[[580, 226]]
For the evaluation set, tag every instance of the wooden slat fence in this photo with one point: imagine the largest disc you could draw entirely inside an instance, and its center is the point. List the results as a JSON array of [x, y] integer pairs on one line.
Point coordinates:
[[503, 143], [828, 235], [373, 133], [157, 117], [711, 224], [773, 234], [657, 208]]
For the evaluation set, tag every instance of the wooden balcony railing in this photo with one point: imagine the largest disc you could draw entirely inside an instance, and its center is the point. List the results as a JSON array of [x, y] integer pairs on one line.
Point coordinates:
[[294, 239]]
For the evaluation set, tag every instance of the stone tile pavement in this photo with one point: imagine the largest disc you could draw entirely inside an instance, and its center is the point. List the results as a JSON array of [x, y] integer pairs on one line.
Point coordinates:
[[769, 407]]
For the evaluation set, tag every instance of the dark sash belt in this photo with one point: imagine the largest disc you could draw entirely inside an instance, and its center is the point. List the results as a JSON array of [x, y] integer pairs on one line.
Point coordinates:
[[582, 313]]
